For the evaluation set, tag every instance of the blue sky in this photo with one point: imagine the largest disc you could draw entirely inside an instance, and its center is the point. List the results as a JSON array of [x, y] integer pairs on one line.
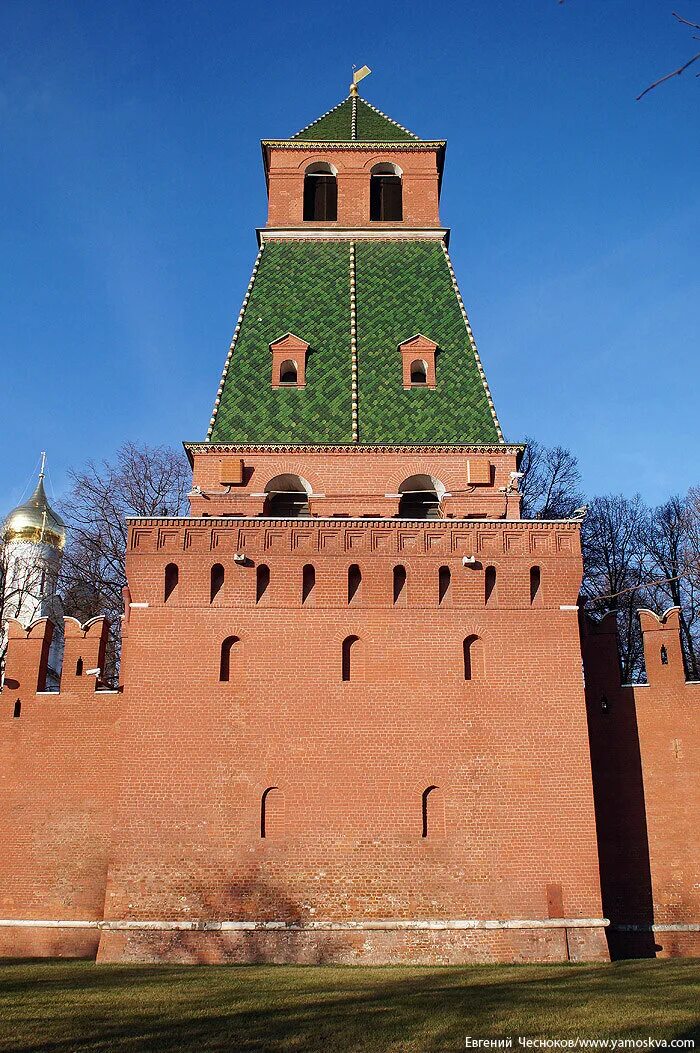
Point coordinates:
[[131, 184]]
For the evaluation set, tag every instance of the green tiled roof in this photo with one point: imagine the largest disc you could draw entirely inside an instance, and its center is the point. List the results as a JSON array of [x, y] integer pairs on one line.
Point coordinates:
[[301, 288], [402, 288], [370, 125]]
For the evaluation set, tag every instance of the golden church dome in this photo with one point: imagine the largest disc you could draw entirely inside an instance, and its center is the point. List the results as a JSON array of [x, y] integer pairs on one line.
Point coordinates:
[[35, 520]]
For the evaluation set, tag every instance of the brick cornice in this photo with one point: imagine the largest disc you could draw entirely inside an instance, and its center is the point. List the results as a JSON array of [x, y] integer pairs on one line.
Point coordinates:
[[354, 448]]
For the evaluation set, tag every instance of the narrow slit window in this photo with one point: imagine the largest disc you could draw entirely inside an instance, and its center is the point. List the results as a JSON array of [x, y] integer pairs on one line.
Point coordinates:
[[535, 587], [399, 586], [354, 584], [352, 659], [17, 712], [79, 667], [228, 659], [272, 813], [308, 584], [262, 581], [172, 577], [216, 581], [444, 586], [490, 595], [473, 657], [432, 812], [664, 655]]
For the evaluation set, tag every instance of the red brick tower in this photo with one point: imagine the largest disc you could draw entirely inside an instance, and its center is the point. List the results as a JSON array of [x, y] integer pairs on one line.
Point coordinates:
[[353, 725]]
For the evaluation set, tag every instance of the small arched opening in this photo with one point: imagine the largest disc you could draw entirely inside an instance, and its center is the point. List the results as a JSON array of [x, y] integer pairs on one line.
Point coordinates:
[[354, 584], [216, 581], [289, 372], [419, 372], [320, 193], [227, 662], [272, 812], [444, 586], [171, 579], [535, 587], [385, 193], [473, 657], [352, 659], [490, 594], [420, 497], [287, 496], [308, 584], [432, 812], [79, 667], [262, 581], [399, 586]]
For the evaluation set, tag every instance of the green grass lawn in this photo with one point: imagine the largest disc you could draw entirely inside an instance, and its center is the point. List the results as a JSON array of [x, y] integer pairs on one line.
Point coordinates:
[[69, 1005]]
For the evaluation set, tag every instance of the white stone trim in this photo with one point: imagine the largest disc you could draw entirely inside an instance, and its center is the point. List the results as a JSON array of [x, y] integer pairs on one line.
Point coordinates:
[[384, 925], [353, 344], [234, 338], [472, 342], [384, 233], [138, 605], [568, 607], [395, 145]]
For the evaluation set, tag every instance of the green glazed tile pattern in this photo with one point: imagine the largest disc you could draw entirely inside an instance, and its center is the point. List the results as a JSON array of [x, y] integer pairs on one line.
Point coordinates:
[[336, 126], [303, 288], [376, 128], [404, 288]]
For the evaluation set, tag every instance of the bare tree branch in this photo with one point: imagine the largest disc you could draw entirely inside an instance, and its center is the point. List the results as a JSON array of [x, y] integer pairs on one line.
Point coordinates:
[[674, 73]]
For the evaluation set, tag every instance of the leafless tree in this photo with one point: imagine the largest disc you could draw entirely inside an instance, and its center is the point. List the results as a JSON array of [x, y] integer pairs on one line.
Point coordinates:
[[673, 558], [612, 537], [550, 485], [141, 480]]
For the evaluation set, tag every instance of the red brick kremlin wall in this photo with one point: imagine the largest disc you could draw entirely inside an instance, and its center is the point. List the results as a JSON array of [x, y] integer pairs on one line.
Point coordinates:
[[340, 768], [59, 762], [645, 750]]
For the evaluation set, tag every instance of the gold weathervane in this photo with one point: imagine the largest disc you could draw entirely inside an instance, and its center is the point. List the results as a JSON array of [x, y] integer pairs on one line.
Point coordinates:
[[357, 76]]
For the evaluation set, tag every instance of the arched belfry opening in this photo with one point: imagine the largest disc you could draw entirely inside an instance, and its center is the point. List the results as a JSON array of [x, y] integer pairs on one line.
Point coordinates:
[[420, 497], [287, 497], [386, 192], [320, 192]]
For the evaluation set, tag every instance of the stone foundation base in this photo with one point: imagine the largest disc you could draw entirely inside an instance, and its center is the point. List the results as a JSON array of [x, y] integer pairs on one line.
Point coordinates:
[[356, 947], [316, 943]]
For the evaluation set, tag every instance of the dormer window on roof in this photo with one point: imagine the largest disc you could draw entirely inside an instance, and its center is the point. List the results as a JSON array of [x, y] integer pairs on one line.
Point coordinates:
[[418, 361], [289, 361]]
